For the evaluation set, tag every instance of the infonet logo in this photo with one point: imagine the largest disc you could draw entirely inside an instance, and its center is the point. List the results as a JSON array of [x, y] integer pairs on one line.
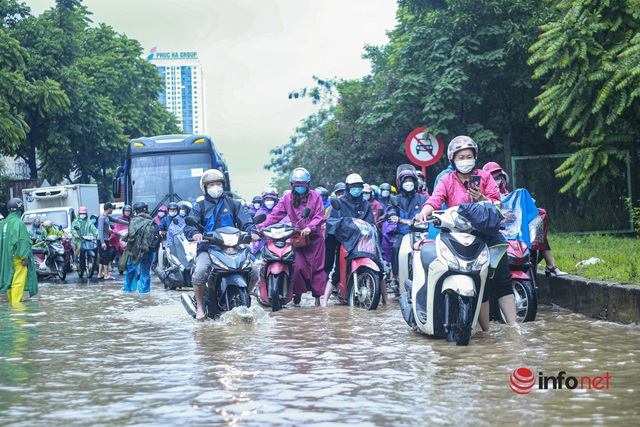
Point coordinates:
[[523, 381]]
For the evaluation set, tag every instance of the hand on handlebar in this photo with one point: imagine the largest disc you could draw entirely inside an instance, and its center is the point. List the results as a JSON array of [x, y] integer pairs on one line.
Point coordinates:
[[254, 237], [424, 214], [305, 232], [197, 238], [393, 218]]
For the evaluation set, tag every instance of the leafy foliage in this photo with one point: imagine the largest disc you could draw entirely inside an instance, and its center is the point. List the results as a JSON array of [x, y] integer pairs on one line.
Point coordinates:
[[590, 56], [457, 67], [81, 93]]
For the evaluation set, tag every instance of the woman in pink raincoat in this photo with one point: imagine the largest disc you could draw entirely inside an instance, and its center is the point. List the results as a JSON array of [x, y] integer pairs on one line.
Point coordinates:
[[309, 266]]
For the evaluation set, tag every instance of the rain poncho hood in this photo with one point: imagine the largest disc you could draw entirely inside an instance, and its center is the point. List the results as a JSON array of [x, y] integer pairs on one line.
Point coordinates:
[[15, 241], [523, 221]]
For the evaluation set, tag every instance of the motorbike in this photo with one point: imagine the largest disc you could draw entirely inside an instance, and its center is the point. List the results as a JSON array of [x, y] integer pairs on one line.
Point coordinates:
[[278, 260], [523, 280], [229, 275], [51, 259], [359, 275], [443, 297], [88, 252], [117, 235], [180, 259]]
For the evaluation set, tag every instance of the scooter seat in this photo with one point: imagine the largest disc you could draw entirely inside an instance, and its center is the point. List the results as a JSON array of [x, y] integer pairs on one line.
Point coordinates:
[[39, 250]]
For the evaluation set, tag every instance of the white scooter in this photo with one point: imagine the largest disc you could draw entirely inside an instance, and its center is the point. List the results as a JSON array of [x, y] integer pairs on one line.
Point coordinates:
[[443, 299]]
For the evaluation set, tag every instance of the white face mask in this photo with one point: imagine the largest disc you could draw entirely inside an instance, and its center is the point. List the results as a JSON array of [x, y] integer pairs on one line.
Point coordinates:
[[173, 213], [256, 205], [408, 186], [215, 191], [161, 214], [269, 204], [83, 216], [498, 182], [366, 196], [465, 166], [385, 193]]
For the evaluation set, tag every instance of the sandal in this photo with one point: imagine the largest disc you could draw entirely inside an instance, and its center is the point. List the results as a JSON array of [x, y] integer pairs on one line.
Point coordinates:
[[107, 277], [554, 271]]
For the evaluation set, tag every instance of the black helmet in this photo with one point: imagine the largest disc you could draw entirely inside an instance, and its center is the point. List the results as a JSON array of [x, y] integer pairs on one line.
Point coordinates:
[[126, 208], [256, 199], [173, 206], [15, 204], [385, 186], [339, 187], [322, 191], [140, 207]]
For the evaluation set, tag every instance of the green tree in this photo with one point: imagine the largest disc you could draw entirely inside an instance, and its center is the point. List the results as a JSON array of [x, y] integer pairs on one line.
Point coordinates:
[[589, 60]]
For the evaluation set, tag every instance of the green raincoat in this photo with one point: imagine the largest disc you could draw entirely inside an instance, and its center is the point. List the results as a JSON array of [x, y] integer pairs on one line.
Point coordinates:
[[15, 241], [86, 229]]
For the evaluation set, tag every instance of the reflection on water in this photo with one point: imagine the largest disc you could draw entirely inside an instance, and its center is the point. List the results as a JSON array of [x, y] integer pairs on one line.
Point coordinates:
[[92, 355]]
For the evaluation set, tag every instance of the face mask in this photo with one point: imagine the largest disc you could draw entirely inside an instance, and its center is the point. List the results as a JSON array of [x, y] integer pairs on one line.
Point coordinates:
[[215, 191], [183, 212], [366, 196], [161, 214], [498, 182], [36, 225], [300, 190], [83, 216], [256, 205], [408, 186], [355, 192], [173, 213], [385, 193], [465, 166], [269, 204]]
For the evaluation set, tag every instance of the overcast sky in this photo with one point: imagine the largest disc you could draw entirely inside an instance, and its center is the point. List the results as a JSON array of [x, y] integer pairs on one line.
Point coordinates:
[[253, 53]]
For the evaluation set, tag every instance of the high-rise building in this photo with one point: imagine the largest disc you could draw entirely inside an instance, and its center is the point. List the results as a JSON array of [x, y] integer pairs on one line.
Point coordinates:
[[184, 88]]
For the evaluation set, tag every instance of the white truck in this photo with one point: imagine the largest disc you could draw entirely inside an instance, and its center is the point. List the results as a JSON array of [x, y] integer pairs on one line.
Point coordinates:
[[59, 203]]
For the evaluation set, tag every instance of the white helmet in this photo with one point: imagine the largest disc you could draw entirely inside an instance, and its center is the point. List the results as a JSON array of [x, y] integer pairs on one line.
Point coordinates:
[[211, 175], [353, 179], [460, 143], [300, 175]]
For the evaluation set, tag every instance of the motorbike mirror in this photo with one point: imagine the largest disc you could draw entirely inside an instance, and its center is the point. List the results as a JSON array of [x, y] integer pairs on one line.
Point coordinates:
[[189, 220], [111, 226], [259, 219], [77, 227], [394, 201], [335, 204], [306, 212], [246, 237], [380, 212]]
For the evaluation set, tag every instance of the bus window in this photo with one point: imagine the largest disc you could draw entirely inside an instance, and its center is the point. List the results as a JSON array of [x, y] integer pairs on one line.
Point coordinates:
[[149, 179], [186, 171]]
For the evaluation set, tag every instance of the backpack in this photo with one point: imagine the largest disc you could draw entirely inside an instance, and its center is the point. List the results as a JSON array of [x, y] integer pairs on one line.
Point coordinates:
[[234, 209], [148, 237]]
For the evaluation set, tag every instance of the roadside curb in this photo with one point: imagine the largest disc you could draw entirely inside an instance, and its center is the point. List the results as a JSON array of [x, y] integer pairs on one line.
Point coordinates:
[[602, 300]]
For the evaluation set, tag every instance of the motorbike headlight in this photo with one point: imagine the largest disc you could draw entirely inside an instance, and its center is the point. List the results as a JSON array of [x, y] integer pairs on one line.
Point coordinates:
[[446, 253], [217, 262], [481, 260], [247, 263]]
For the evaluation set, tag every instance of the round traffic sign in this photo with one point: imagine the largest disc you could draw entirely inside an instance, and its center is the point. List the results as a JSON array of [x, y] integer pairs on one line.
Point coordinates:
[[423, 148]]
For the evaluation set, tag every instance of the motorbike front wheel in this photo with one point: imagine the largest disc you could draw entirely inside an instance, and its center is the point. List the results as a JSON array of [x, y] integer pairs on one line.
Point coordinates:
[[274, 292], [366, 292], [61, 270], [237, 297], [463, 319], [526, 300], [89, 265]]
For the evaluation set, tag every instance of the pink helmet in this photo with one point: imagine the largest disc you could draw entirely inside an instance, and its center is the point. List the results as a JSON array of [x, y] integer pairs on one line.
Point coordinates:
[[82, 209], [492, 167], [460, 143], [163, 208]]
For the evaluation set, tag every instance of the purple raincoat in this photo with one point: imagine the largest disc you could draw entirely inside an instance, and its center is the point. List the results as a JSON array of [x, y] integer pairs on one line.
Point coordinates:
[[309, 259]]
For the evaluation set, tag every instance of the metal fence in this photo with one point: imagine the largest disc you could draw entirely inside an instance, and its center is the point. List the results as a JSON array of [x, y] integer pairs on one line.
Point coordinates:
[[605, 212]]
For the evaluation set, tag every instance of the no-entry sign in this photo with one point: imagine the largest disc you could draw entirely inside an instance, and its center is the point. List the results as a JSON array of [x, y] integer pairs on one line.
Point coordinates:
[[423, 148]]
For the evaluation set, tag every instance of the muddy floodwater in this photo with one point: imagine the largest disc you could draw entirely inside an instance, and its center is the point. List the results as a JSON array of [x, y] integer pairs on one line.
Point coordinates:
[[87, 354]]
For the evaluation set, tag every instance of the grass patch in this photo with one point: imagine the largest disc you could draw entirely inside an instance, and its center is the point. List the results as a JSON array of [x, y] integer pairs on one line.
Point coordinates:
[[620, 255]]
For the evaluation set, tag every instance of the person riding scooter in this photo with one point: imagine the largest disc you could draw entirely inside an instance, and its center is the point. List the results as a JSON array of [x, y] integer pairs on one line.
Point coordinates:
[[214, 211], [352, 205], [85, 227], [457, 188], [410, 202]]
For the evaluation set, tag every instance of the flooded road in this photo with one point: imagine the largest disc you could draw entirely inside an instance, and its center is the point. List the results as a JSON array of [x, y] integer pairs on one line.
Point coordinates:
[[89, 354]]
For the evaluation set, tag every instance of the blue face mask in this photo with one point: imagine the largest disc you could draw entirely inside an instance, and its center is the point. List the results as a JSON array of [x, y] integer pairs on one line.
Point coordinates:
[[355, 192], [300, 190]]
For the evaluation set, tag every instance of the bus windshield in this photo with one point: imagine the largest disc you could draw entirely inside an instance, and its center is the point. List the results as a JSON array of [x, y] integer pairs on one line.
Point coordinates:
[[155, 179]]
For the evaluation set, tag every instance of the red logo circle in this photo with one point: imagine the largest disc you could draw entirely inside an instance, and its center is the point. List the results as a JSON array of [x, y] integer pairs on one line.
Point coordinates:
[[522, 380]]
